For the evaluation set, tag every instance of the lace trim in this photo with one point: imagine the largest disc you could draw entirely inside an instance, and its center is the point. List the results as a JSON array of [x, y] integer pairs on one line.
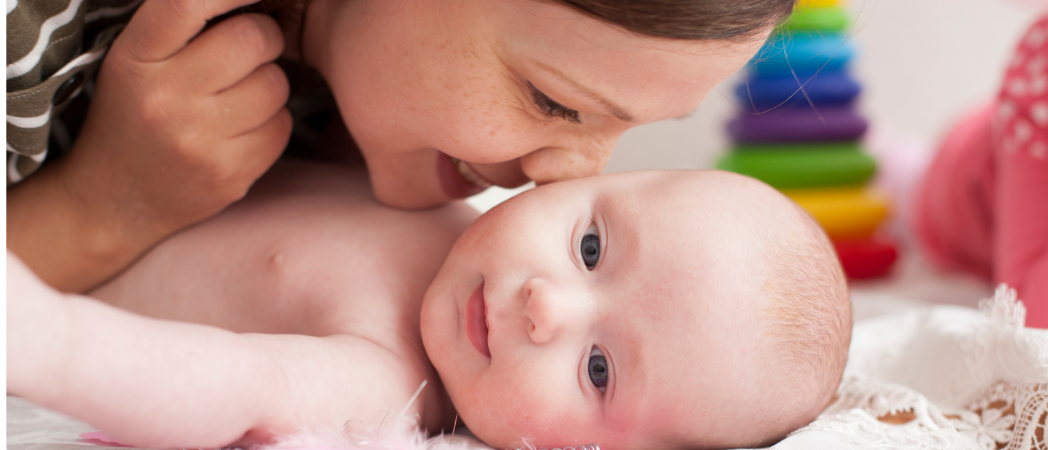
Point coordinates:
[[1007, 412]]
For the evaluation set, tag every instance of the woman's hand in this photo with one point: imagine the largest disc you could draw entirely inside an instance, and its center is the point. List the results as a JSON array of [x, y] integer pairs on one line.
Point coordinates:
[[181, 124]]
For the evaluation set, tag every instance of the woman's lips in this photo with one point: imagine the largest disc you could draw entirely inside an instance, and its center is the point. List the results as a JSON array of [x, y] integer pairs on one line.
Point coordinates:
[[477, 321], [470, 174], [457, 178]]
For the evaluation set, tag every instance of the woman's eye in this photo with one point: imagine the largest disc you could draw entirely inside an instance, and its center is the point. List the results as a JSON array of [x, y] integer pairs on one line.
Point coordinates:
[[590, 249], [548, 107], [597, 367]]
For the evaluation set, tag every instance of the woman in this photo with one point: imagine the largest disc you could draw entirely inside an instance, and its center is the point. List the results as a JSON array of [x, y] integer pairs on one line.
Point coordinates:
[[443, 98]]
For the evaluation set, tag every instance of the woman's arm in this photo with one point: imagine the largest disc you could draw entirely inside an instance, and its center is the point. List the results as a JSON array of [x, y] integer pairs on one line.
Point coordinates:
[[181, 124], [162, 384]]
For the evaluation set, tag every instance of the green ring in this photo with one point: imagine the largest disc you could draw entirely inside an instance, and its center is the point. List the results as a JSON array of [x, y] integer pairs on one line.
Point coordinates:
[[829, 19], [800, 166]]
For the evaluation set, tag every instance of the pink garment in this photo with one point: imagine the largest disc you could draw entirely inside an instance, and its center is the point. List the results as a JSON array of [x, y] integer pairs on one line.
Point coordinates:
[[983, 205], [953, 219]]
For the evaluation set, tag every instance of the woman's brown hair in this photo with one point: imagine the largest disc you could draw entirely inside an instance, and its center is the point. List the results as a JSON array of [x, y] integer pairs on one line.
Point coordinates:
[[671, 19], [688, 19]]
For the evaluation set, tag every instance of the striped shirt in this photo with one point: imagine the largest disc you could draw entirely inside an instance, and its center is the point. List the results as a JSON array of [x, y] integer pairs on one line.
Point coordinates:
[[54, 49]]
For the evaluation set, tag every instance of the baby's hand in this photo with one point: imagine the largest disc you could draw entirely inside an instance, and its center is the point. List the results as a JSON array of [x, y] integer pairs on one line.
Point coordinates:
[[180, 126]]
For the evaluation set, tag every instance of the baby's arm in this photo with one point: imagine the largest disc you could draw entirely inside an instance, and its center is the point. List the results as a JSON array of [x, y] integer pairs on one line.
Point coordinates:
[[162, 384]]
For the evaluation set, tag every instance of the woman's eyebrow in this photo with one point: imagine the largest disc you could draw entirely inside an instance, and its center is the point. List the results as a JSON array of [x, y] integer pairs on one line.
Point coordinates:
[[607, 105]]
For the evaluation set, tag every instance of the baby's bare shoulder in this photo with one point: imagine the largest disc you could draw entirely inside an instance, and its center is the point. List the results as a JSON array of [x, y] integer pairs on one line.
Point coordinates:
[[332, 246], [308, 251]]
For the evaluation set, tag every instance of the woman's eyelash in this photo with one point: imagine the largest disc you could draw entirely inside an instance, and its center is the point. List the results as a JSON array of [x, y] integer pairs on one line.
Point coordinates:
[[551, 108]]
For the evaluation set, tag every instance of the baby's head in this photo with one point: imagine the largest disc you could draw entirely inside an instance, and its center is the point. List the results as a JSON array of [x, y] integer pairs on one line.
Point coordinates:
[[640, 310]]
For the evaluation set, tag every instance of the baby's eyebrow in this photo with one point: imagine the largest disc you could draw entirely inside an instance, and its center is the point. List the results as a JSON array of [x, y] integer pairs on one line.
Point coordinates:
[[608, 106]]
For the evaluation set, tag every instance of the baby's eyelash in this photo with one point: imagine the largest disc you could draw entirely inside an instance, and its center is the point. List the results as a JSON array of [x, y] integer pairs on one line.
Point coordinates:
[[551, 108]]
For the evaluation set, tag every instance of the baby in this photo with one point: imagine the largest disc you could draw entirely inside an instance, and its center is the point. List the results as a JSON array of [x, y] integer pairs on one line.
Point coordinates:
[[694, 309]]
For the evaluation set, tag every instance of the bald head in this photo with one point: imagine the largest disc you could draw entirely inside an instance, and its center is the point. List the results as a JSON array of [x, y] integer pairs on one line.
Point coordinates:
[[807, 316], [805, 310], [773, 291]]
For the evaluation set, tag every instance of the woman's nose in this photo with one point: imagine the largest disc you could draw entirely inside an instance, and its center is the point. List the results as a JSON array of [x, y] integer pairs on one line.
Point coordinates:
[[549, 310], [550, 164]]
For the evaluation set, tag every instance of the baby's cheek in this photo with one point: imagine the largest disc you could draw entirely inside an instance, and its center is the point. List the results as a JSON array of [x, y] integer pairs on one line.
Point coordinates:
[[498, 414], [544, 422]]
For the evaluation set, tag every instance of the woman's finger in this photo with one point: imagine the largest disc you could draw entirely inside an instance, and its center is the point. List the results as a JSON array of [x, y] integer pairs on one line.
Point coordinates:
[[160, 28], [254, 100], [255, 151], [228, 52]]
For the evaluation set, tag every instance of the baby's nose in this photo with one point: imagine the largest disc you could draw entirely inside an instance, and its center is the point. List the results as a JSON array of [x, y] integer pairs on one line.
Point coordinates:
[[549, 310]]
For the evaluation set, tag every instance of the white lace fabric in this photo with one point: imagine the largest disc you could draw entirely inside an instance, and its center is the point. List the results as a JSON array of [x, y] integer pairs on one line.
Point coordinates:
[[945, 378]]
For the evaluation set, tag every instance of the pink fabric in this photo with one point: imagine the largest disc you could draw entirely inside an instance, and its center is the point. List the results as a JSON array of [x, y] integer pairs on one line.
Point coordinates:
[[954, 206], [1020, 256], [983, 206]]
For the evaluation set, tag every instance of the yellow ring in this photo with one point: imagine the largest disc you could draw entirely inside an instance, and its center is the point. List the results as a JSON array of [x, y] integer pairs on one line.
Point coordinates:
[[845, 213]]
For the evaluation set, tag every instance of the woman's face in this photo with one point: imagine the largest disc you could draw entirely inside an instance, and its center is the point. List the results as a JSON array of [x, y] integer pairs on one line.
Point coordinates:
[[446, 97]]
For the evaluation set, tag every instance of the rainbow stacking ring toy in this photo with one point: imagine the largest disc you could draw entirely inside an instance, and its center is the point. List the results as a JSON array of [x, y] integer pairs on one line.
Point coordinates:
[[799, 130]]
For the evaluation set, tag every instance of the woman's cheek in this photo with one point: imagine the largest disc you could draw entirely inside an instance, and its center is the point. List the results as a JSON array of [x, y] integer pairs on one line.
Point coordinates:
[[489, 127], [502, 139]]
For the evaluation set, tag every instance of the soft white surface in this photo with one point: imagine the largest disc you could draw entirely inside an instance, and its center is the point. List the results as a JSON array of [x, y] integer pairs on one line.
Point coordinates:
[[965, 379]]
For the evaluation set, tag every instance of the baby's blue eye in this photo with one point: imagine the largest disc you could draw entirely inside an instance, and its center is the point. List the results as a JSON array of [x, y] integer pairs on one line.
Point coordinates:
[[590, 249], [597, 367]]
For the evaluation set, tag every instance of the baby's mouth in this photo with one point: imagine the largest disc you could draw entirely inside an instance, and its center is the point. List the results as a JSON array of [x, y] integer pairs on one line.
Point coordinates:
[[468, 174], [477, 321]]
